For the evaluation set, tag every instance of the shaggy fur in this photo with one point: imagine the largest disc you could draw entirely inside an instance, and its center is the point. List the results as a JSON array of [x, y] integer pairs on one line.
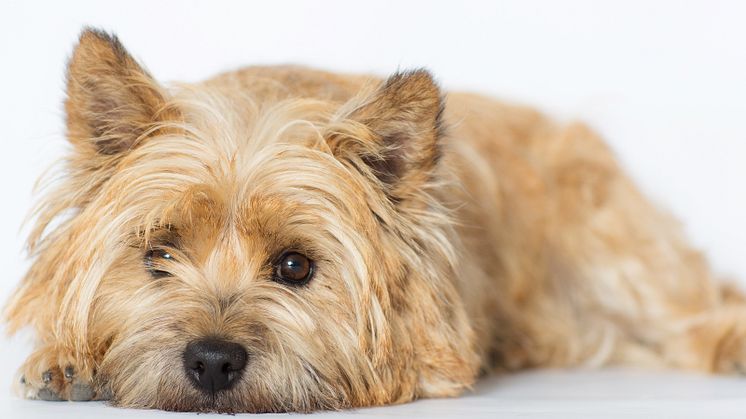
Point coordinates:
[[450, 236]]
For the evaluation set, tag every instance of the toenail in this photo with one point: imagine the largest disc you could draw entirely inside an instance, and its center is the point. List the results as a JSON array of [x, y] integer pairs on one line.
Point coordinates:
[[48, 395], [69, 372], [46, 377], [81, 392]]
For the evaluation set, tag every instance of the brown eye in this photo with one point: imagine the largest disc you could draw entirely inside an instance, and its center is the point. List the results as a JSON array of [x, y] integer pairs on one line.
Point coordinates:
[[155, 258], [294, 268]]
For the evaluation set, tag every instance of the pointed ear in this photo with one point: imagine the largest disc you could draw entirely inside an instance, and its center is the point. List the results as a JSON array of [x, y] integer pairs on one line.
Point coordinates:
[[403, 121], [111, 99]]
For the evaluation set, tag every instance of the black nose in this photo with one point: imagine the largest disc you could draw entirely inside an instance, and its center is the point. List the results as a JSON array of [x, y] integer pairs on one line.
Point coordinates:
[[214, 364]]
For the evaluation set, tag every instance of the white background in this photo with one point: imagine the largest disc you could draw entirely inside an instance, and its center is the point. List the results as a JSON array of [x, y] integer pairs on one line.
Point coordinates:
[[664, 82]]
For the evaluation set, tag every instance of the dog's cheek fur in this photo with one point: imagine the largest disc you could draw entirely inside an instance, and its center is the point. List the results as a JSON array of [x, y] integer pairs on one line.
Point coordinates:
[[433, 344], [393, 138]]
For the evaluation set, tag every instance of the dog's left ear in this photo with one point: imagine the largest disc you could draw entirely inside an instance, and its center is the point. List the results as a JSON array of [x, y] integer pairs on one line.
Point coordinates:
[[111, 100], [403, 125]]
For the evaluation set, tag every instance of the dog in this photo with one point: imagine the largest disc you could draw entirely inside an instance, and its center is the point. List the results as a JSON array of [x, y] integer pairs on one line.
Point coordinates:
[[287, 239]]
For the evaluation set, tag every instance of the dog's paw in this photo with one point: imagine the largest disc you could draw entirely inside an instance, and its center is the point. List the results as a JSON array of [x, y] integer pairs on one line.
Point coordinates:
[[52, 374]]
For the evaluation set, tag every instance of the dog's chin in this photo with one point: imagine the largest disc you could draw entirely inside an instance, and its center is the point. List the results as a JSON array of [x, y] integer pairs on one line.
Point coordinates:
[[185, 398], [218, 403], [229, 402]]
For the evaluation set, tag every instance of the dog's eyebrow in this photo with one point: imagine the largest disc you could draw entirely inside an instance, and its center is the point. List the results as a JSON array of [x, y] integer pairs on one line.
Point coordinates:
[[166, 235]]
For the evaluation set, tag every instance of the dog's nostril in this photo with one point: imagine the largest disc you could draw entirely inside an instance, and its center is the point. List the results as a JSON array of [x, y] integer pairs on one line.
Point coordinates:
[[214, 364]]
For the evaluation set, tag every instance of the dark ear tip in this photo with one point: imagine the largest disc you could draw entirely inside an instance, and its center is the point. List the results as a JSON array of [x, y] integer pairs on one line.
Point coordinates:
[[89, 33], [420, 75], [91, 37], [416, 84]]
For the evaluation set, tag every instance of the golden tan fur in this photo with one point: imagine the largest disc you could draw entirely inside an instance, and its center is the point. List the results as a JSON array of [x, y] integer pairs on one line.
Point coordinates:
[[453, 235]]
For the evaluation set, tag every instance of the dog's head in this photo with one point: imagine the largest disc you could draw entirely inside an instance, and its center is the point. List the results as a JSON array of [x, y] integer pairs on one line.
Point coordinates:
[[243, 245]]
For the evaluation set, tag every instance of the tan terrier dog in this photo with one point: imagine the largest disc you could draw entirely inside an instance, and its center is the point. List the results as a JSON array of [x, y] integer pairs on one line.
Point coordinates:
[[285, 239]]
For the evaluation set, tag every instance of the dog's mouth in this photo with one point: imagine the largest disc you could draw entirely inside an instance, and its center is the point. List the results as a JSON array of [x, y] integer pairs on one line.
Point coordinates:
[[225, 402]]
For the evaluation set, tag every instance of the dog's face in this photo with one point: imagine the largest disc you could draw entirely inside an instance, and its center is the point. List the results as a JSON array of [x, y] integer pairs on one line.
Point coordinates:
[[241, 249]]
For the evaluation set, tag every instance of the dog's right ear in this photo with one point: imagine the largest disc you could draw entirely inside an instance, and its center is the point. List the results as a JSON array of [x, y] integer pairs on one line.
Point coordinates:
[[111, 100]]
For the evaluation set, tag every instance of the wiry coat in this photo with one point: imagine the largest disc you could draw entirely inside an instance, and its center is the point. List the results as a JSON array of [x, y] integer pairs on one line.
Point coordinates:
[[452, 234]]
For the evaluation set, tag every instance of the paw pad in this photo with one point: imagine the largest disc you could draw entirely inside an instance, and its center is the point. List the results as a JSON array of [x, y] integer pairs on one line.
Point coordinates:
[[81, 392], [48, 394]]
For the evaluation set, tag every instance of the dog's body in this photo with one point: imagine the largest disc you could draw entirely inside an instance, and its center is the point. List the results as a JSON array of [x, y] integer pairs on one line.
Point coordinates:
[[357, 242]]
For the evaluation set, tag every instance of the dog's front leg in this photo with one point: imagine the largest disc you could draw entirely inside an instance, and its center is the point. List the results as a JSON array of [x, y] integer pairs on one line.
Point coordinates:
[[63, 363], [54, 372]]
